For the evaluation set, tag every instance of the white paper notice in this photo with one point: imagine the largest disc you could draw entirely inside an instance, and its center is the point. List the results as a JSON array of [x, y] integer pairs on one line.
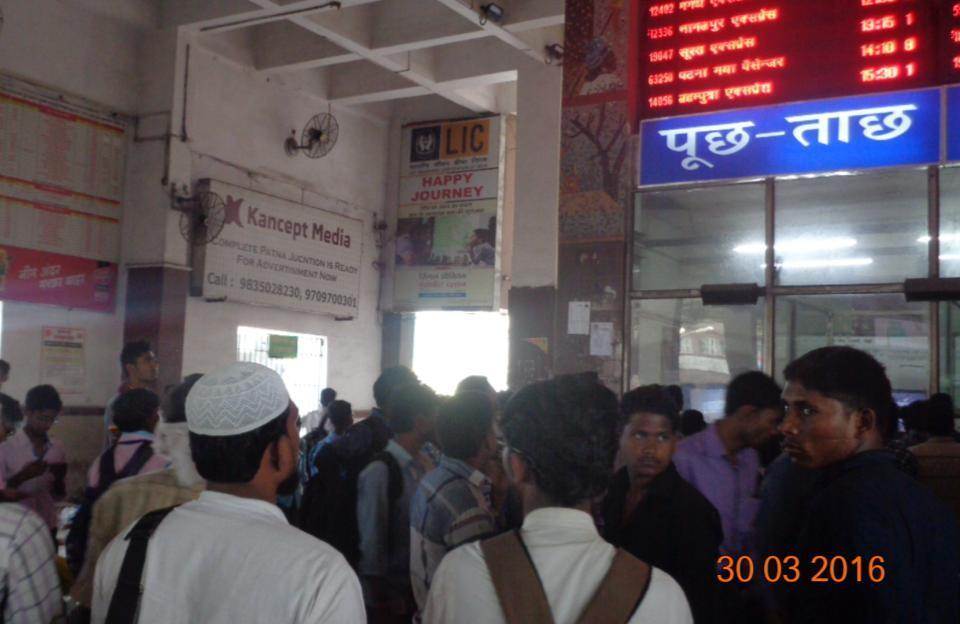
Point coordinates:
[[63, 364], [601, 339], [578, 318]]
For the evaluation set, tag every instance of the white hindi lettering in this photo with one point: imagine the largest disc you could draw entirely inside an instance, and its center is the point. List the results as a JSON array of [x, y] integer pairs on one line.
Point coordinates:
[[722, 140], [895, 122]]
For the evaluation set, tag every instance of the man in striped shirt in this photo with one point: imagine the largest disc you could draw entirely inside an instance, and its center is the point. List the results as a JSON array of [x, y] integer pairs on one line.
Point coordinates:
[[31, 588], [452, 504]]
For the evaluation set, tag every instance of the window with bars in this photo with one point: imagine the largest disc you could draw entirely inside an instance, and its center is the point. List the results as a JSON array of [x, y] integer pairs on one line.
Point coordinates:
[[305, 375]]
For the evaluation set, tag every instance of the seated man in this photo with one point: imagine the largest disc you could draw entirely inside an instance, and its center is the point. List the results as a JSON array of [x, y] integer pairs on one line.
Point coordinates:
[[561, 439], [652, 512], [838, 405], [452, 505]]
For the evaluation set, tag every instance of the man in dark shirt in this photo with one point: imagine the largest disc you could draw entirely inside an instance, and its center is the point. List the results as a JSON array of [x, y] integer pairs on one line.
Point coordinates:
[[654, 514], [838, 403]]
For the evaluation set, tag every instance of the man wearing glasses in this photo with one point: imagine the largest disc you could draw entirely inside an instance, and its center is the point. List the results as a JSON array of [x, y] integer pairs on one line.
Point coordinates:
[[32, 462]]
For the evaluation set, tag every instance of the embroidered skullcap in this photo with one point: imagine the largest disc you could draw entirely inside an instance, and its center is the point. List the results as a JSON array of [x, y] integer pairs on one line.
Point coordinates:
[[235, 400]]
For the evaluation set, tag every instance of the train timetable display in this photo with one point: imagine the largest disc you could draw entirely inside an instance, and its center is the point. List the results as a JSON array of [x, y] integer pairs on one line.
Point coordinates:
[[699, 55]]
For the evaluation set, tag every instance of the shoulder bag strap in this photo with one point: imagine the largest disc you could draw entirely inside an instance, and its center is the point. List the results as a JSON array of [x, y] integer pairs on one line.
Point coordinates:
[[515, 578], [137, 461], [621, 592], [126, 595]]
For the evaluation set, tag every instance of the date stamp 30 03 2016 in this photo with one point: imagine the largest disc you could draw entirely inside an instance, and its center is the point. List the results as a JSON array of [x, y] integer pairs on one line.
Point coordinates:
[[788, 569]]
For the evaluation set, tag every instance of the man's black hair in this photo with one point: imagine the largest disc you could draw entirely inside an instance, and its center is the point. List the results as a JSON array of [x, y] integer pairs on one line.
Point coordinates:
[[677, 393], [915, 415], [753, 388], [653, 399], [388, 381], [940, 415], [341, 415], [483, 235], [691, 422], [4, 367], [406, 404], [566, 430], [132, 409], [853, 377], [10, 411], [131, 353], [463, 424], [42, 398], [174, 405], [235, 459], [475, 383], [327, 396]]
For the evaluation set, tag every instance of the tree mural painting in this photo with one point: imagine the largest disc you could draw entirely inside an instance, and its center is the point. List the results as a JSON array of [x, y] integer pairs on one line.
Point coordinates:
[[606, 130]]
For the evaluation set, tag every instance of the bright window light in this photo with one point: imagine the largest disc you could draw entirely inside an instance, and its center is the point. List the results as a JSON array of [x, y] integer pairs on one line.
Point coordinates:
[[448, 346], [800, 245], [946, 238], [305, 375], [823, 264]]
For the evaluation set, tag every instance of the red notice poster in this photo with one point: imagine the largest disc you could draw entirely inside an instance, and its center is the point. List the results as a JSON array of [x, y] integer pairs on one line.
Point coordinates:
[[54, 279]]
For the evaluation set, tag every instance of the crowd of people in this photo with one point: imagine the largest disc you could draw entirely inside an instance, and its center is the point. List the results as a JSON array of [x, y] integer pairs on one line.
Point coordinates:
[[821, 501]]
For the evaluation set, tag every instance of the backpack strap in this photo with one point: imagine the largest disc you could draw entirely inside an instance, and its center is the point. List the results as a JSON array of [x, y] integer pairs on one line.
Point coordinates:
[[125, 602], [516, 580], [621, 592], [108, 471], [136, 463]]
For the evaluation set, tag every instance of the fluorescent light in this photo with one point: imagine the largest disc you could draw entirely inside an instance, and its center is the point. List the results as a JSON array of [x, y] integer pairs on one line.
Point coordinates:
[[823, 264], [945, 238], [800, 245], [950, 256]]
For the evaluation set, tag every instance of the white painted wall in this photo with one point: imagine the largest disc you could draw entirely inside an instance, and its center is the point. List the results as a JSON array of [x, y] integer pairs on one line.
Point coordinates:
[[85, 49], [236, 122], [536, 219]]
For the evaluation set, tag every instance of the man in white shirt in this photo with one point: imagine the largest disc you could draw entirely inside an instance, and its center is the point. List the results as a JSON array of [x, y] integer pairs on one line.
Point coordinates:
[[561, 439], [231, 556]]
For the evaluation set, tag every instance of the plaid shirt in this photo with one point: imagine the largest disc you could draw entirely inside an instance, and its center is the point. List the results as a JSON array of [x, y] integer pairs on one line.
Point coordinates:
[[451, 507], [31, 587]]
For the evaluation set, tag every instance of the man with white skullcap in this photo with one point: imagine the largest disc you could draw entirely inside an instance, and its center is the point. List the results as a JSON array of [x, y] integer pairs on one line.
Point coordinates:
[[230, 556]]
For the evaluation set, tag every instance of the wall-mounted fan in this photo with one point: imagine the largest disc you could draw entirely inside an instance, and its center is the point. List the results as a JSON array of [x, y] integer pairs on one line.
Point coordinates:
[[202, 217], [317, 139]]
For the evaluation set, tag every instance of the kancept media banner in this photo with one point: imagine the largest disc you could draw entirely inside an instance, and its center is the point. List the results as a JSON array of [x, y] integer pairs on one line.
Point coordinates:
[[278, 253], [47, 278], [448, 232]]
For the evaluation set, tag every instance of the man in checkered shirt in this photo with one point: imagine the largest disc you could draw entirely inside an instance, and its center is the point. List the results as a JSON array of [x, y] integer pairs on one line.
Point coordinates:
[[30, 588]]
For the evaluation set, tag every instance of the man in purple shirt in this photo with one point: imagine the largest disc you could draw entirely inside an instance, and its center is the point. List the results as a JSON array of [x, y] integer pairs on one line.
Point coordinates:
[[722, 462]]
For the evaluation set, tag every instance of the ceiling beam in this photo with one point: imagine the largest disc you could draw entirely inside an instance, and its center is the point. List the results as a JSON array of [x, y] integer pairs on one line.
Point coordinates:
[[272, 13], [349, 44], [472, 88], [308, 61], [494, 29]]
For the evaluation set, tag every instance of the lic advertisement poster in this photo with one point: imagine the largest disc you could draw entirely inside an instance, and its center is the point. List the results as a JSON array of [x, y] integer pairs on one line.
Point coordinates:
[[447, 246]]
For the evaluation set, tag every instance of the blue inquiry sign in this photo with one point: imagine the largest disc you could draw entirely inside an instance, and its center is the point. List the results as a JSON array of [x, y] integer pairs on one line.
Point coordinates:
[[953, 123], [892, 129]]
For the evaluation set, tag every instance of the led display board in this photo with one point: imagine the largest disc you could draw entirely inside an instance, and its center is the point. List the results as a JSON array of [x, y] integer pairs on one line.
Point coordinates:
[[704, 55]]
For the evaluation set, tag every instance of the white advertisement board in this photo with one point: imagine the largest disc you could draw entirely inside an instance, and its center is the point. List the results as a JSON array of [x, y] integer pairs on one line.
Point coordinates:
[[282, 254]]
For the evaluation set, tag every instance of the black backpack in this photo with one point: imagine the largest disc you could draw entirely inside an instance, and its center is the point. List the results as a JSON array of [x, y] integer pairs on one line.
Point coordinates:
[[328, 510], [76, 542]]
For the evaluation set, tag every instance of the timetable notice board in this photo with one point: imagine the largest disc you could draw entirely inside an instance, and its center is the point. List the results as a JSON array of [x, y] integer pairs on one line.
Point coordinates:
[[61, 191], [705, 55]]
